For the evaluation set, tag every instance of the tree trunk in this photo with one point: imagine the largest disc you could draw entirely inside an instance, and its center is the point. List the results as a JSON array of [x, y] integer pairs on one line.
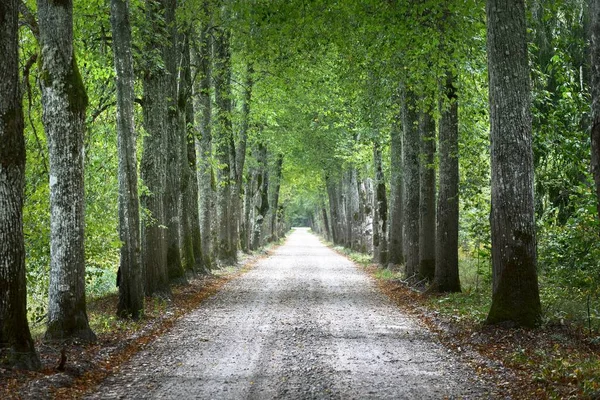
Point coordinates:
[[446, 257], [16, 345], [175, 134], [64, 103], [240, 158], [276, 185], [380, 246], [202, 104], [333, 210], [396, 256], [515, 297], [153, 167], [427, 197], [595, 88], [226, 250], [131, 284], [326, 229], [191, 239], [262, 196], [410, 170]]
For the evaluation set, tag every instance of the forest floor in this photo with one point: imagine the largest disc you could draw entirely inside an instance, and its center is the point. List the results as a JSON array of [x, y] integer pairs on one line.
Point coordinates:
[[303, 323]]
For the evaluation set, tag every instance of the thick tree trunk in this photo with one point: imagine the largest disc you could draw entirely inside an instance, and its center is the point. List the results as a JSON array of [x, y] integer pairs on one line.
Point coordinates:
[[153, 169], [175, 133], [396, 252], [131, 283], [16, 345], [515, 295], [64, 103], [191, 239], [446, 257], [427, 197], [380, 245], [226, 250], [595, 88], [202, 104], [410, 170]]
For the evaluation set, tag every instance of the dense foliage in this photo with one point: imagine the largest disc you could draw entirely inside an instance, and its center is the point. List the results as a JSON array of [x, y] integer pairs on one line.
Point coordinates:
[[325, 75]]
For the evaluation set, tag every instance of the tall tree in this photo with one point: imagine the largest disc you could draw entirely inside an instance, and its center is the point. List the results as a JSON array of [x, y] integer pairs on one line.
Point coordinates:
[[396, 252], [225, 150], [274, 202], [410, 171], [595, 87], [380, 244], [515, 297], [64, 102], [153, 163], [191, 238], [15, 336], [446, 245], [175, 134], [202, 104], [131, 283], [427, 196]]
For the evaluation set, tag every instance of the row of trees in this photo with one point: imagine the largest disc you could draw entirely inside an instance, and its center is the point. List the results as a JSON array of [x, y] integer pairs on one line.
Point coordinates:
[[228, 121], [189, 153]]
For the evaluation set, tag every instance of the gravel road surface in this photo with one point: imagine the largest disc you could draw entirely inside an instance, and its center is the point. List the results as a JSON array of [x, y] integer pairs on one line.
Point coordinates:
[[305, 323]]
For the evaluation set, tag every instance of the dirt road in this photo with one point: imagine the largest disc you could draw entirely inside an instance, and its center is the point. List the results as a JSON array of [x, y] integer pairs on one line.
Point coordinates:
[[305, 323]]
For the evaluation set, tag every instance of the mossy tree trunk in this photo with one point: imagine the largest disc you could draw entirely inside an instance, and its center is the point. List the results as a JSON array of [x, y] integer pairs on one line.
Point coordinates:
[[16, 345], [64, 103], [515, 297], [131, 283], [191, 241]]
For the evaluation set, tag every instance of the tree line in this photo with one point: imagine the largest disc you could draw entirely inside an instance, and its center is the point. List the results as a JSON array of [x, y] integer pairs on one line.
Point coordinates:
[[172, 134]]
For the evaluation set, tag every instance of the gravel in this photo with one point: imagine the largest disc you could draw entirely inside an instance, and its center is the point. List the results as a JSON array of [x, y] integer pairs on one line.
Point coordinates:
[[305, 323]]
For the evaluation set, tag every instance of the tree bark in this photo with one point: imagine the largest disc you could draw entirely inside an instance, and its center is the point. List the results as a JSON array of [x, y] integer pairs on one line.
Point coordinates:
[[396, 252], [175, 134], [262, 196], [131, 284], [427, 197], [515, 297], [240, 158], [191, 239], [595, 89], [380, 245], [202, 104], [16, 345], [446, 257], [64, 103], [226, 249], [410, 169], [276, 185], [153, 166]]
